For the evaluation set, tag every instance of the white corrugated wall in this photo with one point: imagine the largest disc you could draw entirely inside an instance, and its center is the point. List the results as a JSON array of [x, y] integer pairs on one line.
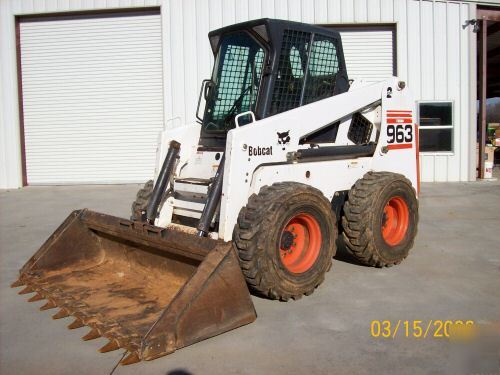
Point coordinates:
[[433, 53]]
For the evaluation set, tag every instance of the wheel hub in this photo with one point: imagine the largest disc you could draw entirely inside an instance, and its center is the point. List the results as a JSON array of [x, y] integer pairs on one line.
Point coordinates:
[[286, 240], [395, 221], [300, 243]]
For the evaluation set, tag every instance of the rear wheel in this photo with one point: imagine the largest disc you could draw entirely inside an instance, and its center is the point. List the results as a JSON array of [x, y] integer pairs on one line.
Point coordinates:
[[141, 200], [380, 219], [285, 238]]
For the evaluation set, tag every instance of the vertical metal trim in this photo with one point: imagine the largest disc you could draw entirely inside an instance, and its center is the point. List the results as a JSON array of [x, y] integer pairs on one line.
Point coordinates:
[[306, 73], [472, 162], [20, 102], [483, 59]]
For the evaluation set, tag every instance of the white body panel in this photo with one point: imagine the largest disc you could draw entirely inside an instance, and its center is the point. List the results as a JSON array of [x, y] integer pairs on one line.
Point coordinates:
[[255, 158]]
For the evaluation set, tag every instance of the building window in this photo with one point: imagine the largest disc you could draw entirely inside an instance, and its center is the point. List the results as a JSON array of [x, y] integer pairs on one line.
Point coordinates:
[[435, 126]]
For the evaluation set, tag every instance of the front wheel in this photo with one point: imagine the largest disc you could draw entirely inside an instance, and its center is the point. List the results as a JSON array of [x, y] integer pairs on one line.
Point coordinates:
[[141, 201], [380, 219], [285, 238]]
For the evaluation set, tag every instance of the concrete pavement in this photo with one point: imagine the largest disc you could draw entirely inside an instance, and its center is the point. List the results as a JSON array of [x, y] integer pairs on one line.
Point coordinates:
[[453, 272]]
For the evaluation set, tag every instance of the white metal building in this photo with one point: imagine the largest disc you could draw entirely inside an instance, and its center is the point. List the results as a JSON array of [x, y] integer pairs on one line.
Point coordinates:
[[86, 85]]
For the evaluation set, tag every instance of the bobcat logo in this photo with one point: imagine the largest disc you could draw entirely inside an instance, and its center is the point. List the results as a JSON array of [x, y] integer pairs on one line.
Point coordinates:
[[283, 138]]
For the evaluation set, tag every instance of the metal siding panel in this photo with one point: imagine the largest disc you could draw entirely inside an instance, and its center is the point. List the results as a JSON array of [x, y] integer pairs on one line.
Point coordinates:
[[334, 13], [360, 11], [228, 12], [125, 3], [241, 10], [39, 6], [92, 116], [254, 9], [387, 10], [400, 16], [466, 129], [294, 10], [113, 3], [413, 46], [89, 4], [440, 51], [10, 149], [190, 62], [215, 14], [166, 63], [373, 11], [347, 11], [281, 9], [440, 168], [64, 5], [203, 50], [100, 4], [454, 82], [307, 11], [27, 6], [267, 7], [427, 51], [321, 11], [177, 59], [427, 167]]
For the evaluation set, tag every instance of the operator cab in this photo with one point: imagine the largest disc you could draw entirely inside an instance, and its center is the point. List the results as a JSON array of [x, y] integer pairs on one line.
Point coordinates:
[[266, 67]]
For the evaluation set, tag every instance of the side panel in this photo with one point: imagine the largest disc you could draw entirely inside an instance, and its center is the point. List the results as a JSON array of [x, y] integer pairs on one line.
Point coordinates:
[[267, 142], [397, 149], [327, 176]]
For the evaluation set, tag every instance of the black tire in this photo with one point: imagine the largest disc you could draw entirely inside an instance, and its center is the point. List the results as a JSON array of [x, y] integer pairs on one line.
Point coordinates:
[[141, 200], [258, 240], [364, 218]]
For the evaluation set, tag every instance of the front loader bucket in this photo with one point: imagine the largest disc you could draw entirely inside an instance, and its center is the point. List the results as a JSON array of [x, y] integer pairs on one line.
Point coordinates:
[[148, 290]]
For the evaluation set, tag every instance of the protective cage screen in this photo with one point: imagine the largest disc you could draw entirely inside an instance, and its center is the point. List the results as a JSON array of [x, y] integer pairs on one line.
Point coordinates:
[[305, 73]]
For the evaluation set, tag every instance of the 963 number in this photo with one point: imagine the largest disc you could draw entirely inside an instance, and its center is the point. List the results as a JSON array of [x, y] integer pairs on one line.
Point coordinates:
[[399, 133]]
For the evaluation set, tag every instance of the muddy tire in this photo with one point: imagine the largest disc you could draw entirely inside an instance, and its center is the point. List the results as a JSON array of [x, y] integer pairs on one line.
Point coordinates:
[[285, 238], [141, 200], [380, 219]]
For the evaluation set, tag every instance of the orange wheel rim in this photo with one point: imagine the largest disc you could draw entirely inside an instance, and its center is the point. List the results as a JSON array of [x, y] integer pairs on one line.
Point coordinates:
[[395, 221], [300, 243]]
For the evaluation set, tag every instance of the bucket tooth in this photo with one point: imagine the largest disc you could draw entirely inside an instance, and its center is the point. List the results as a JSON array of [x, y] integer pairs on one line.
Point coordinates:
[[130, 359], [36, 297], [63, 313], [77, 323], [48, 305], [26, 290], [93, 334], [17, 283], [111, 345]]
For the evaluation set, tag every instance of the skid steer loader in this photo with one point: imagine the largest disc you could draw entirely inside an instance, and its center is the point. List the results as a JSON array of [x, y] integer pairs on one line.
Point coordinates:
[[287, 152]]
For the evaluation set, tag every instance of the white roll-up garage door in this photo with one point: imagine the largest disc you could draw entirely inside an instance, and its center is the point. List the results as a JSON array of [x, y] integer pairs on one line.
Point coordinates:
[[369, 51], [92, 97]]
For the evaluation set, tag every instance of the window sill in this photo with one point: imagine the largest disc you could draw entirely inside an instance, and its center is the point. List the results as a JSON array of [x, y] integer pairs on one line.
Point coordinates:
[[437, 153]]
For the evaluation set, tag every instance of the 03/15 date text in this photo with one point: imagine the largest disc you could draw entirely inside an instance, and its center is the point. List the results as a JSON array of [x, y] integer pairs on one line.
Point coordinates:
[[421, 329]]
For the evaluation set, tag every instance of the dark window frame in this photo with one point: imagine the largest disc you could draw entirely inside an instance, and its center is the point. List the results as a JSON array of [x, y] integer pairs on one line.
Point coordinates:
[[436, 127]]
